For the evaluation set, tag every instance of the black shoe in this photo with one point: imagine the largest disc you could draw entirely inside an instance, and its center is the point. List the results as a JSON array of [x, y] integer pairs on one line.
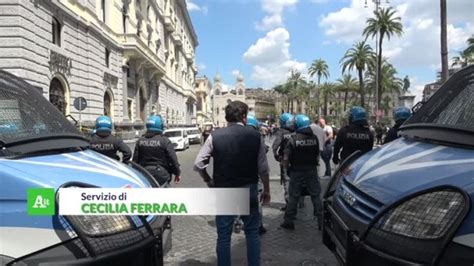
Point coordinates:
[[262, 230], [287, 225]]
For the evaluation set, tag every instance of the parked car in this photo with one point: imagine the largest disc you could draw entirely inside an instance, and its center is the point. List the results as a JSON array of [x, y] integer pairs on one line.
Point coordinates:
[[40, 148], [194, 135], [179, 138], [410, 201]]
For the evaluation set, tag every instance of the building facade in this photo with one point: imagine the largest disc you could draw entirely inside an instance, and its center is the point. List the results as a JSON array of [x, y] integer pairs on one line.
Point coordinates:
[[221, 96], [262, 104], [203, 94], [430, 89], [127, 58]]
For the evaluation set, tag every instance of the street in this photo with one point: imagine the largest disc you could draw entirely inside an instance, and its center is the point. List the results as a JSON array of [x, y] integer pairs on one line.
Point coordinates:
[[194, 237]]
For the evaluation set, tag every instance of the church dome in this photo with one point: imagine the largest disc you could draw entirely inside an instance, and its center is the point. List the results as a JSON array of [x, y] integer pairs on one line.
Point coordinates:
[[217, 78], [240, 78]]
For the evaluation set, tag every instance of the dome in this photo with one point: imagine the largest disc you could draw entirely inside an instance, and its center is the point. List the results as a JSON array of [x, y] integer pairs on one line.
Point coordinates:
[[240, 78], [217, 78]]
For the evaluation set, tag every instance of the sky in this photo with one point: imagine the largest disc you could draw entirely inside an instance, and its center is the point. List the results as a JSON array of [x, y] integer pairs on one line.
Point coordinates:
[[265, 39]]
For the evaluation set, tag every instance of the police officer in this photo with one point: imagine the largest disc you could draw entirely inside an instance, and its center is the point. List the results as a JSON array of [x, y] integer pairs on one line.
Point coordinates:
[[281, 137], [300, 157], [400, 115], [353, 137], [253, 122], [102, 141], [155, 152]]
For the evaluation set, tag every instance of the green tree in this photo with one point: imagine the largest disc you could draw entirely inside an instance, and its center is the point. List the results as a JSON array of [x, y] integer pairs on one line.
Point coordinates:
[[470, 46], [463, 59], [296, 82], [345, 85], [327, 90], [320, 68], [385, 24], [390, 82], [358, 57]]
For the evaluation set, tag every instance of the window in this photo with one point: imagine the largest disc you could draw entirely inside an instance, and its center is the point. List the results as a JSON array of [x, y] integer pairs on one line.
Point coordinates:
[[57, 95], [102, 9], [56, 32], [129, 107], [107, 104], [107, 57]]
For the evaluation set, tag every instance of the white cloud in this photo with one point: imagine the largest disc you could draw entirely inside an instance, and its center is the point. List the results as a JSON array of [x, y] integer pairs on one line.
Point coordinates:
[[193, 7], [274, 9], [271, 58], [235, 72], [420, 44], [201, 67]]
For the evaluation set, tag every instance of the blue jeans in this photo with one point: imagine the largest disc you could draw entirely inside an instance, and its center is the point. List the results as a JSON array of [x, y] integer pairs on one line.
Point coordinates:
[[225, 223]]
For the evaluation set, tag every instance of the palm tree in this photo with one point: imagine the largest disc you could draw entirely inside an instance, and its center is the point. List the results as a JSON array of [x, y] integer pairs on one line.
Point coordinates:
[[390, 82], [464, 59], [470, 46], [327, 90], [358, 57], [444, 42], [346, 84], [284, 89], [295, 81], [385, 24], [320, 68]]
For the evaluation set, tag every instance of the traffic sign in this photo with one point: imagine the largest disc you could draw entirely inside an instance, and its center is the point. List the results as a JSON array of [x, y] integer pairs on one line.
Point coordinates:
[[80, 103]]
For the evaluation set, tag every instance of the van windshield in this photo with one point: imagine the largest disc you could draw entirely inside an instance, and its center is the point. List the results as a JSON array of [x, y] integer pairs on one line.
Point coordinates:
[[26, 116], [171, 134]]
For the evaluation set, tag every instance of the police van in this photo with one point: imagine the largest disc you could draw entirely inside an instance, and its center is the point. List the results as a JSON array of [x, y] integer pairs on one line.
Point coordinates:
[[40, 148], [410, 201]]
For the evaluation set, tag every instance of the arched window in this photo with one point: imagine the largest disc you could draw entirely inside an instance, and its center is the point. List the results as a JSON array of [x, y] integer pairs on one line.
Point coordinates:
[[57, 95], [108, 104], [217, 92], [107, 57], [56, 32]]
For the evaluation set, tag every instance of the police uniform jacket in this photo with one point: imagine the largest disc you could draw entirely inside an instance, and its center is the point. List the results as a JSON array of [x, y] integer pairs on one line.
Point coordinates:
[[281, 138], [108, 145], [156, 150], [352, 138], [302, 151]]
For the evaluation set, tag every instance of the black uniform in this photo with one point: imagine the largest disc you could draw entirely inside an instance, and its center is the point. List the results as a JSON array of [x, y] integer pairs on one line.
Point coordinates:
[[302, 152], [392, 133], [108, 145], [352, 138], [156, 154], [281, 139]]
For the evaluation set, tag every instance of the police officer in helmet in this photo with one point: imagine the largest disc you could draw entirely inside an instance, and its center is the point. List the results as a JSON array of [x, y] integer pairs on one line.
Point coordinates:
[[281, 137], [253, 122], [105, 143], [400, 115], [155, 152], [300, 157], [353, 137]]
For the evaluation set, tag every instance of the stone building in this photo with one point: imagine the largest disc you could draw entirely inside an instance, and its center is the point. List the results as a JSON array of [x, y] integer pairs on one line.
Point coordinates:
[[261, 103], [221, 96], [127, 58], [430, 89], [204, 106]]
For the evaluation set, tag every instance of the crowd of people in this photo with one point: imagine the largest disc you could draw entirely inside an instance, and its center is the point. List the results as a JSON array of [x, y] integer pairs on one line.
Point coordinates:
[[239, 154]]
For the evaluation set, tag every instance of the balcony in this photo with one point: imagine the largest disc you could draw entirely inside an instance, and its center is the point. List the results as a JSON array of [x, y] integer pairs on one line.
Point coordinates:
[[178, 40], [170, 24], [189, 57]]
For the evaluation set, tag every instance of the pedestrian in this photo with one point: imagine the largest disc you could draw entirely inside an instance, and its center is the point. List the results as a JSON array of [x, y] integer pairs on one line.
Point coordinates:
[[239, 160], [301, 158], [353, 137], [379, 130], [327, 129], [400, 115], [156, 153], [281, 137], [103, 142], [318, 131], [253, 123]]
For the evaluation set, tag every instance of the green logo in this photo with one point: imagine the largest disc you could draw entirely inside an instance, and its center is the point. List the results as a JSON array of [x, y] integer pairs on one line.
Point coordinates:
[[41, 201]]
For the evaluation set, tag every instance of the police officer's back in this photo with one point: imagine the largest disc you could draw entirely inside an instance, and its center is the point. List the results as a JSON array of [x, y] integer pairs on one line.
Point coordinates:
[[400, 115], [301, 156], [156, 153], [107, 144], [353, 137], [281, 136]]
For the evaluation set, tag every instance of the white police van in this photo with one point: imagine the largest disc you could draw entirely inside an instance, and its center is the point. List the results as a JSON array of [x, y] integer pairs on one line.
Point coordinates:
[[39, 148], [410, 201]]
